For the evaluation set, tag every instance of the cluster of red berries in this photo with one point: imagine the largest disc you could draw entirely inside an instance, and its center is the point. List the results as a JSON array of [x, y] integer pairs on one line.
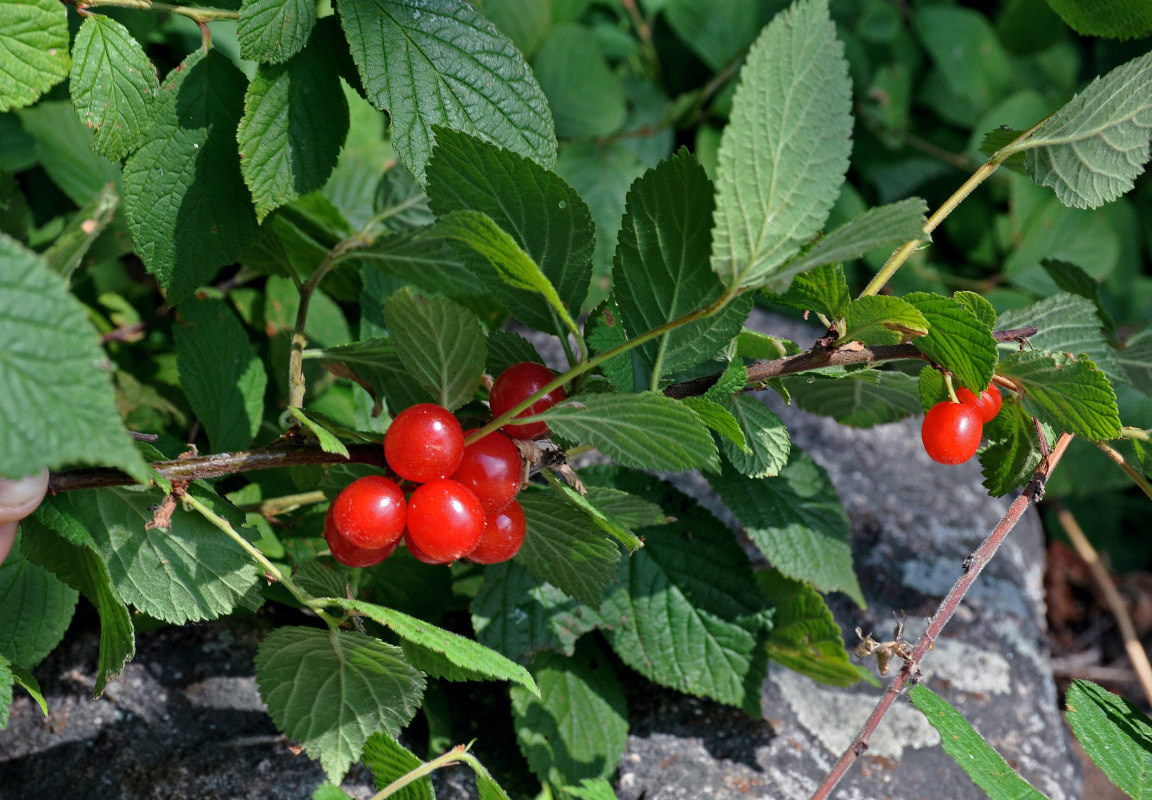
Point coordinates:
[[464, 504], [952, 431]]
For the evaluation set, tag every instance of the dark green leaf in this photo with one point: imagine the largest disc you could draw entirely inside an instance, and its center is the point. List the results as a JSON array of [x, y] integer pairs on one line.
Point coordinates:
[[882, 320], [64, 150], [766, 435], [1070, 278], [274, 30], [33, 50], [804, 636], [1070, 395], [585, 95], [389, 760], [957, 339], [67, 253], [1114, 733], [862, 399], [568, 550], [27, 680], [719, 30], [1136, 360], [37, 608], [1008, 462], [603, 331], [374, 364], [506, 348]]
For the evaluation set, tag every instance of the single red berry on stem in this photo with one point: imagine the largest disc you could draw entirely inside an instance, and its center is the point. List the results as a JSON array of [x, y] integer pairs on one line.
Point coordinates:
[[515, 385], [445, 520], [502, 537], [951, 432], [987, 403], [351, 555], [491, 468], [370, 512], [417, 553], [424, 443]]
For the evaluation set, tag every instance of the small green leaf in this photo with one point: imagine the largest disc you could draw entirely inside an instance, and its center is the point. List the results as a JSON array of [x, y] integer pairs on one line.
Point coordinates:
[[731, 381], [28, 681], [33, 50], [781, 164], [113, 85], [862, 398], [389, 760], [37, 606], [592, 789], [1115, 734], [979, 306], [586, 96], [957, 339], [274, 30], [506, 348], [931, 386], [720, 420], [327, 440], [984, 766], [804, 637], [766, 435], [1070, 395], [330, 791], [820, 289], [67, 252], [441, 344], [603, 520], [6, 680], [331, 690], [1009, 461], [881, 319]]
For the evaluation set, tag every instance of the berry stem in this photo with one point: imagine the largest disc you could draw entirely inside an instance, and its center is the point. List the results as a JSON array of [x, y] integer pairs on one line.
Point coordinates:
[[200, 15], [950, 387]]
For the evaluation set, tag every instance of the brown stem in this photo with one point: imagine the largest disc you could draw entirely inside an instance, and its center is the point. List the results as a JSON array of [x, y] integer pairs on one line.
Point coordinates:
[[973, 566]]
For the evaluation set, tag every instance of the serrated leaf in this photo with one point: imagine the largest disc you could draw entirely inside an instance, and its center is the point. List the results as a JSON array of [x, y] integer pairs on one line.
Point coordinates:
[[592, 789], [389, 760], [930, 384], [766, 435], [884, 227], [821, 289], [797, 522], [604, 520], [54, 377], [784, 153], [1091, 150], [1071, 395], [882, 319], [720, 420], [645, 430], [441, 653], [957, 340], [37, 607], [577, 726], [661, 268], [984, 766], [566, 549], [1115, 734], [862, 398], [220, 373], [294, 124], [113, 85], [441, 344], [457, 71], [603, 332], [506, 348], [274, 30], [184, 197], [33, 50], [732, 380], [543, 215], [1067, 324], [1009, 461], [979, 306], [429, 264], [327, 440], [1126, 19], [331, 690], [1070, 278], [804, 637]]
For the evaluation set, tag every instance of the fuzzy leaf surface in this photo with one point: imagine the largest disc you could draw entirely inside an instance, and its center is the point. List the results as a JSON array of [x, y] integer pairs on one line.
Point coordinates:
[[1069, 395], [805, 637], [821, 289], [881, 319], [1009, 461], [1067, 324], [37, 605], [389, 760], [766, 435], [721, 421], [862, 398], [1115, 733], [956, 339], [33, 50], [565, 549], [275, 30]]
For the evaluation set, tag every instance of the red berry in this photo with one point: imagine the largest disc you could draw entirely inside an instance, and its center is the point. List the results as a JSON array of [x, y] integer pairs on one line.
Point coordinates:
[[492, 469], [351, 555], [987, 405], [503, 535], [515, 385], [445, 520], [424, 443], [417, 553], [370, 512], [951, 432]]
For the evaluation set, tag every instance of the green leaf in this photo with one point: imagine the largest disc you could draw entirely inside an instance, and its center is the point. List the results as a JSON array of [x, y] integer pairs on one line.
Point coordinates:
[[821, 289], [585, 95], [1070, 395], [804, 637], [374, 364], [603, 519], [766, 435], [1115, 734], [720, 420], [274, 30], [220, 373], [441, 653], [330, 791], [862, 398], [885, 227], [1009, 461], [592, 789], [184, 197], [6, 680], [431, 265], [486, 786], [457, 70], [718, 30], [440, 343], [577, 726], [1126, 19], [661, 267], [797, 522], [1070, 278], [33, 50], [984, 766], [331, 690], [880, 319], [731, 381], [957, 340], [1136, 361], [781, 163], [27, 680], [327, 440], [645, 430], [294, 124], [1091, 150], [975, 70], [37, 608], [506, 348], [930, 384], [113, 85], [566, 549], [64, 150], [54, 377], [67, 252], [389, 760], [979, 306]]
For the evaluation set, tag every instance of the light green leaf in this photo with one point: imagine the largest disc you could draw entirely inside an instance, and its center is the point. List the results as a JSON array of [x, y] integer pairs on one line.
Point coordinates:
[[603, 519], [331, 690], [766, 435], [389, 760], [984, 766], [184, 197], [330, 791], [797, 522], [962, 43], [882, 319], [979, 306], [645, 430], [113, 85], [1070, 395], [457, 71], [577, 726], [27, 680], [440, 343], [33, 50], [820, 289], [585, 95], [957, 340], [720, 420], [592, 789], [731, 381], [1114, 733], [294, 124], [274, 30], [783, 156], [862, 398], [37, 608], [54, 377], [931, 387], [327, 440], [6, 680], [220, 373], [804, 637]]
